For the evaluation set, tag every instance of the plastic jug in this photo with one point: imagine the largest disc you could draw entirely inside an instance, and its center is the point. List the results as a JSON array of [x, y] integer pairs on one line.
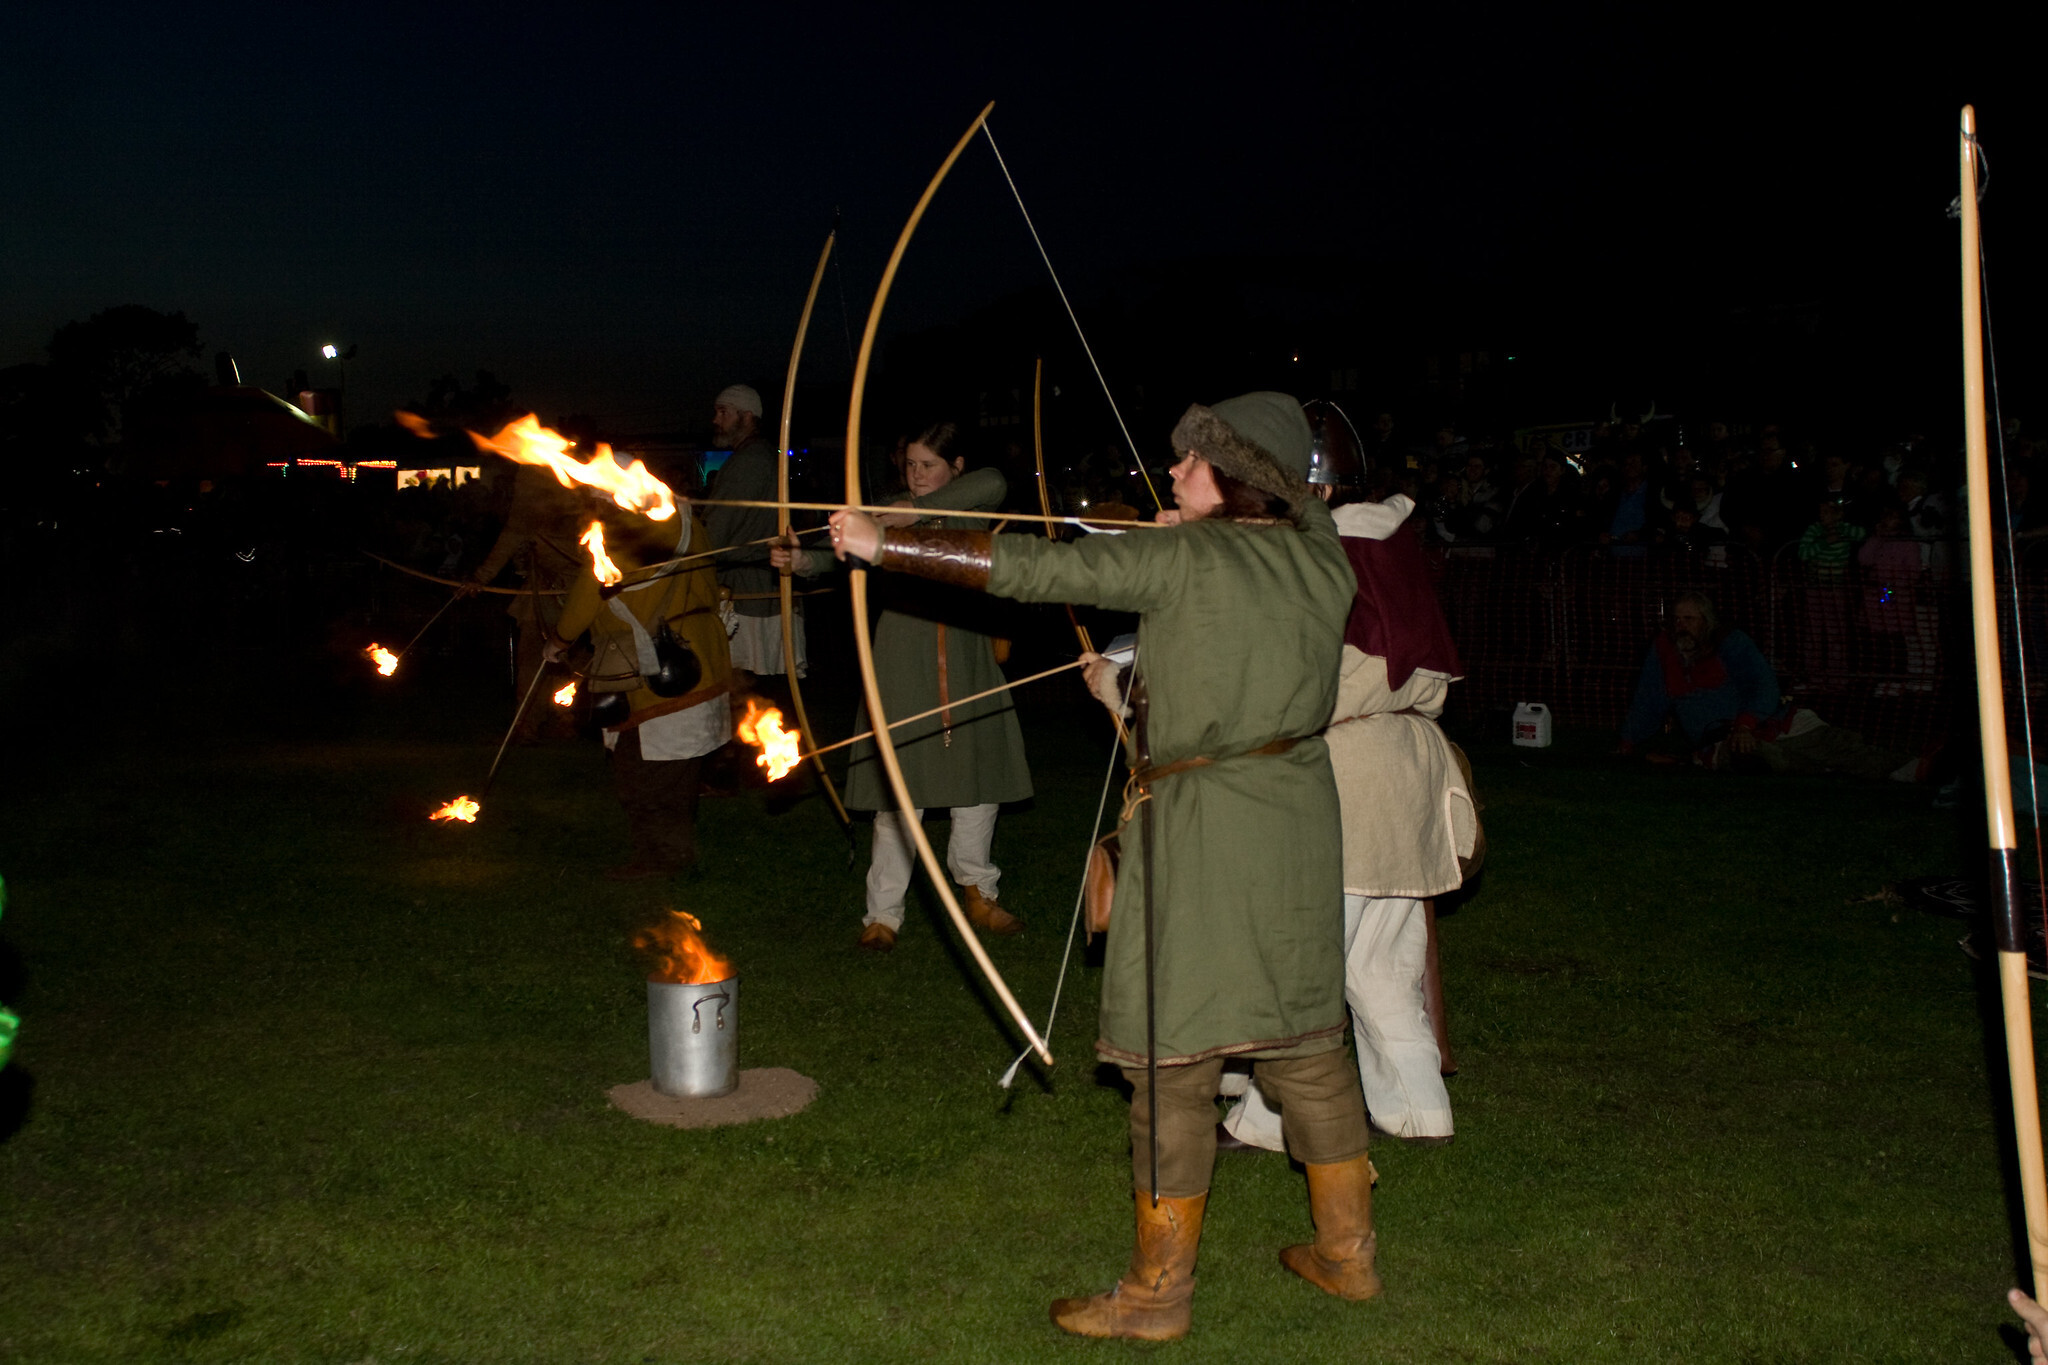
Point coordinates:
[[1532, 725]]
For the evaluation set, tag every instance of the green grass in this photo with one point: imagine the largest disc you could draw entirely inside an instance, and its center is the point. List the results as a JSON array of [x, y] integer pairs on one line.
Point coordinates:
[[314, 1080]]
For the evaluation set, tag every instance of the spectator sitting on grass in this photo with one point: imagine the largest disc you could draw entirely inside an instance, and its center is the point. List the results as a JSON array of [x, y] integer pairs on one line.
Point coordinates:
[[1829, 541], [1725, 696]]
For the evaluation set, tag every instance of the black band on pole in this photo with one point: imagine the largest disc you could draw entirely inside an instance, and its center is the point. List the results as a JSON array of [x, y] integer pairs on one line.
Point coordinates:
[[2005, 903]]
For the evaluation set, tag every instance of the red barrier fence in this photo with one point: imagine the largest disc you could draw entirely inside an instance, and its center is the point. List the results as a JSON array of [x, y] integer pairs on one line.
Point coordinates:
[[1882, 647]]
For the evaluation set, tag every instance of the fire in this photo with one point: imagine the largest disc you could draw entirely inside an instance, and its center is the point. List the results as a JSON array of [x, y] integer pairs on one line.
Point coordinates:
[[600, 562], [567, 696], [762, 726], [461, 808], [681, 957], [632, 488], [386, 661]]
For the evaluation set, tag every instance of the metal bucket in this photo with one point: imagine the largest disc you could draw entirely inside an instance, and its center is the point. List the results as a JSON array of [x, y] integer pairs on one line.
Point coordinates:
[[693, 1038]]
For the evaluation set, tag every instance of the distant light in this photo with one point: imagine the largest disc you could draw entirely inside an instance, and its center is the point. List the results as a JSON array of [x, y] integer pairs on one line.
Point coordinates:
[[1510, 357], [330, 352], [1297, 359]]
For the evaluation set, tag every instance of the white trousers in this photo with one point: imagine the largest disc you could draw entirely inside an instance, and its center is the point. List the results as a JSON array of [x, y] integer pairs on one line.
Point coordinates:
[[1386, 949], [894, 857]]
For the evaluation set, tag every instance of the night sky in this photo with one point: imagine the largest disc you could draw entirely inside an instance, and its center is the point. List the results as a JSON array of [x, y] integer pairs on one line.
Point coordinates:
[[615, 212]]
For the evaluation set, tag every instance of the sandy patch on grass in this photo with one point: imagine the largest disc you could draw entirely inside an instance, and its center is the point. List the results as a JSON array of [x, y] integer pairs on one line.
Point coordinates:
[[770, 1092]]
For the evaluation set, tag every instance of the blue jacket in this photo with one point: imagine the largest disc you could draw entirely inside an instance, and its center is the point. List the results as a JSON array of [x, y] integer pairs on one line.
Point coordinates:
[[1729, 684]]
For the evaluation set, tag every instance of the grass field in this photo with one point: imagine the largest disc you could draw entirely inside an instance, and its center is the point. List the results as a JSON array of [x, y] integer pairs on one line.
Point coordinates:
[[305, 1078]]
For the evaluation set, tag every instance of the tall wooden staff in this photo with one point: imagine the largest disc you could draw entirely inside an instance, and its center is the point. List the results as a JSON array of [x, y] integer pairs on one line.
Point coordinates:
[[1998, 813], [796, 695]]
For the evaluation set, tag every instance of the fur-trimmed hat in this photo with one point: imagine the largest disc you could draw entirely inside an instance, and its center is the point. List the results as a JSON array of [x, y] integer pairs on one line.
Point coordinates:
[[1261, 439]]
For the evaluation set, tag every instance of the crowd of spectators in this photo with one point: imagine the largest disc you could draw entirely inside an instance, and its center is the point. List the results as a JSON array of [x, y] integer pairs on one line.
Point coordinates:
[[1639, 487]]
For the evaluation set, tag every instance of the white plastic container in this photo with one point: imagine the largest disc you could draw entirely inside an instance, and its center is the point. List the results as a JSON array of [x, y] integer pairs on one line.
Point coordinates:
[[1532, 725]]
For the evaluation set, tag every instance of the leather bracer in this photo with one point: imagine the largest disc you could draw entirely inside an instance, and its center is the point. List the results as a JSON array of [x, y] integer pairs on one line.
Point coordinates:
[[960, 558]]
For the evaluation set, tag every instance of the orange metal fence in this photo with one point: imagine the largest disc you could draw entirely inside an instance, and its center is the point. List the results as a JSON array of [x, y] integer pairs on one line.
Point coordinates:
[[1881, 646]]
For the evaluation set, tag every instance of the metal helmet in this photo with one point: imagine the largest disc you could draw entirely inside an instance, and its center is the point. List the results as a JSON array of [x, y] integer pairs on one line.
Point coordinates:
[[1336, 455]]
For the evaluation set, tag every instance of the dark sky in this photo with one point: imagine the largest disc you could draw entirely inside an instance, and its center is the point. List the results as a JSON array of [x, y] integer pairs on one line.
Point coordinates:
[[614, 209]]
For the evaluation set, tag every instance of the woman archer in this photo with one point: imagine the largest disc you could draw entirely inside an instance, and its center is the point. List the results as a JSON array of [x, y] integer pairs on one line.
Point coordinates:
[[929, 647], [1235, 948]]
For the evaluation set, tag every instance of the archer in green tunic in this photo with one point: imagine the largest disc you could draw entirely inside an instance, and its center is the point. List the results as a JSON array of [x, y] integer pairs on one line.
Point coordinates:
[[928, 650], [1242, 607]]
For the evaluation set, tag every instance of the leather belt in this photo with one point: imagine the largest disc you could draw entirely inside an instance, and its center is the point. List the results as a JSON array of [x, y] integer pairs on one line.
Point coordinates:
[[1145, 777], [1375, 715]]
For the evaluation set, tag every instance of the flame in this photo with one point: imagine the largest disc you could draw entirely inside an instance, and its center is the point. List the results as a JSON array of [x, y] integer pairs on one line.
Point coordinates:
[[762, 726], [416, 424], [600, 562], [632, 488], [567, 696], [681, 957], [461, 808], [386, 661]]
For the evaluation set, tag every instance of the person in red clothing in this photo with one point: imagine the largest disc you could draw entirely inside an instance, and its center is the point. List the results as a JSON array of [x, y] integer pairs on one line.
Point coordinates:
[[1724, 695]]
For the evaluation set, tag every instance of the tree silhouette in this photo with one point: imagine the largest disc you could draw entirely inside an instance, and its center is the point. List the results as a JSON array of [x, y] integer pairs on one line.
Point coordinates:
[[102, 367]]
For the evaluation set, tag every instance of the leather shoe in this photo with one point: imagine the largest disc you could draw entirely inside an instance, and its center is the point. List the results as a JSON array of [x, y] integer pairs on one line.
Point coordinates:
[[878, 938], [984, 913]]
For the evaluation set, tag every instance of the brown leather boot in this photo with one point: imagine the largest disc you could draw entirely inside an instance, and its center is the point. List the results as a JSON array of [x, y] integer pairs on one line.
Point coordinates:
[[1153, 1299], [986, 914], [1339, 1261]]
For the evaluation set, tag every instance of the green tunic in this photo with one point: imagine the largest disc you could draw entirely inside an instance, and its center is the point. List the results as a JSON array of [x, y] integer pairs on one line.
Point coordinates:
[[984, 760], [1240, 632]]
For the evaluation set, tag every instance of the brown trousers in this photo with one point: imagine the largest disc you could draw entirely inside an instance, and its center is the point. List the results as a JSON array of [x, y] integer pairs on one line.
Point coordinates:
[[660, 800], [1322, 1115]]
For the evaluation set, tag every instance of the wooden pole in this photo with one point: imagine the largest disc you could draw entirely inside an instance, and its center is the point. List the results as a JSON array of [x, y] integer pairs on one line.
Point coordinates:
[[1998, 811]]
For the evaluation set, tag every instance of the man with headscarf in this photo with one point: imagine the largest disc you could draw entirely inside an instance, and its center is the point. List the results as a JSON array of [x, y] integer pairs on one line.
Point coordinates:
[[753, 617]]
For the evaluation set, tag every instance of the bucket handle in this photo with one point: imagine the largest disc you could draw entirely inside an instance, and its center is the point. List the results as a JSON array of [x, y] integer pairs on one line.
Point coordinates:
[[697, 1020]]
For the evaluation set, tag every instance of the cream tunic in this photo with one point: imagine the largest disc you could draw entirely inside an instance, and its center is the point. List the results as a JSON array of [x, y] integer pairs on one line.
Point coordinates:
[[1407, 814]]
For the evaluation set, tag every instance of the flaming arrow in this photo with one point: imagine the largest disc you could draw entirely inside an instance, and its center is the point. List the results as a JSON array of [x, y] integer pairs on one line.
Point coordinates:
[[885, 746]]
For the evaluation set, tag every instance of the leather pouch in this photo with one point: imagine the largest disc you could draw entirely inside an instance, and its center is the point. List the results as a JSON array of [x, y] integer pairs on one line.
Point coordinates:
[[1098, 886]]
